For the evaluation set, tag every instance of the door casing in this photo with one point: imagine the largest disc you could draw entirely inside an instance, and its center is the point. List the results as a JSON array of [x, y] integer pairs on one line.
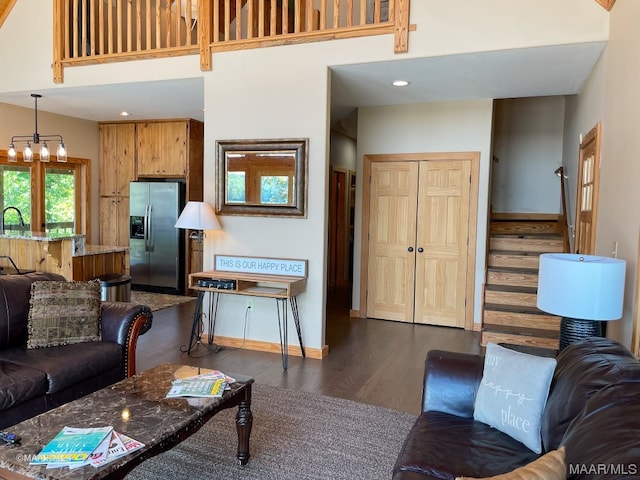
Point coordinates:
[[588, 191]]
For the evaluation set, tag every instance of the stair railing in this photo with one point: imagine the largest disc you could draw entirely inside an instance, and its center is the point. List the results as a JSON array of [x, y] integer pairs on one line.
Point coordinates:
[[565, 218]]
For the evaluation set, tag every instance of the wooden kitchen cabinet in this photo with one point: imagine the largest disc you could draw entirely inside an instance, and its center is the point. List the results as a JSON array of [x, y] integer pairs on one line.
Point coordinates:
[[114, 221], [163, 148], [141, 150], [117, 169], [117, 158]]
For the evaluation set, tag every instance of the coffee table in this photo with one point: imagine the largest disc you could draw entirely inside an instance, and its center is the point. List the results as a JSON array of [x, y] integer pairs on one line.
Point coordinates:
[[136, 407]]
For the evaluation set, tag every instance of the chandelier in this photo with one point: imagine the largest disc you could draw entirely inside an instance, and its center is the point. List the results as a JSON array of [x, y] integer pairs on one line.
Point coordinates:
[[36, 139]]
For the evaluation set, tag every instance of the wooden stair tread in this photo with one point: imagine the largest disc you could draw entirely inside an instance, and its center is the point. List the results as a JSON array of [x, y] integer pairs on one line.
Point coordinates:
[[532, 236], [498, 307], [525, 270], [527, 228], [524, 331], [533, 341], [512, 243], [524, 217], [508, 339], [515, 253], [515, 259], [511, 289], [527, 317]]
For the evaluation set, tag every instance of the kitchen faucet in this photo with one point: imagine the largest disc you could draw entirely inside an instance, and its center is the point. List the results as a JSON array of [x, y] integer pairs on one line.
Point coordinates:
[[19, 216]]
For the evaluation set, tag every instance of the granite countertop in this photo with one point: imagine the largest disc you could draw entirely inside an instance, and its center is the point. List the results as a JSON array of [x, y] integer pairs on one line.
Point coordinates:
[[99, 249], [38, 236]]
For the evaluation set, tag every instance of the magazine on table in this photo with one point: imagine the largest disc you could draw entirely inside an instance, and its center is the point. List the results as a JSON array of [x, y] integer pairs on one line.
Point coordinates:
[[210, 384], [72, 446], [119, 446], [77, 447]]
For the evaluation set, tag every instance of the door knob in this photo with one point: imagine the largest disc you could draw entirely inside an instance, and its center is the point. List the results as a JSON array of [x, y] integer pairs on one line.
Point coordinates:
[[410, 249], [420, 249]]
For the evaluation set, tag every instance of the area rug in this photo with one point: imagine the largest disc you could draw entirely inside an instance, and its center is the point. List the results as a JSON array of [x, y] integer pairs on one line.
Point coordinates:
[[157, 301], [295, 436]]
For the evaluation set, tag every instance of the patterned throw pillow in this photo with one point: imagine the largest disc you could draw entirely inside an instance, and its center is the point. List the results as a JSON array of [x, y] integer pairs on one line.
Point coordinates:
[[551, 466], [62, 313], [513, 393]]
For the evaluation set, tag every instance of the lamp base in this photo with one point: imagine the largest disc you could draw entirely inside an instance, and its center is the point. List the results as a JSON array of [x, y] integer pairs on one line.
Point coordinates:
[[574, 329]]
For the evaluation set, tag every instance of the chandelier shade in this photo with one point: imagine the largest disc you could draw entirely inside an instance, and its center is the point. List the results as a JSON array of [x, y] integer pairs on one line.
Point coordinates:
[[37, 139]]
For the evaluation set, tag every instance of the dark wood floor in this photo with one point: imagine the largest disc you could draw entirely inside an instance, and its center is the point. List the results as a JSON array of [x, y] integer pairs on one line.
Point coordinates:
[[373, 361]]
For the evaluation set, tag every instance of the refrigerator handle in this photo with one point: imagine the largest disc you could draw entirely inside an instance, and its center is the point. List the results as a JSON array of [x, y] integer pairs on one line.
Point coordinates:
[[147, 226]]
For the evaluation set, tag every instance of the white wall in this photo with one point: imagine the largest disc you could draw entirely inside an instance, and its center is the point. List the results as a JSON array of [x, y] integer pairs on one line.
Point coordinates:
[[582, 113], [435, 127], [80, 137], [527, 149], [342, 151], [463, 26], [237, 106], [619, 215], [611, 96]]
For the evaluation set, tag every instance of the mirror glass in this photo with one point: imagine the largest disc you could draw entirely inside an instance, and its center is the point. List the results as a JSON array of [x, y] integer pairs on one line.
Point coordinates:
[[261, 177]]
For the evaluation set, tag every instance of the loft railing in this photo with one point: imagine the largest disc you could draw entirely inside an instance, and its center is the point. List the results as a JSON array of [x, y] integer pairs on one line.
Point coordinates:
[[99, 31]]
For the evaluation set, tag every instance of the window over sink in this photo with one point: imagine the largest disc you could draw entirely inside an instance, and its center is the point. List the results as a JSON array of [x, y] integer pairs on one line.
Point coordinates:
[[51, 198]]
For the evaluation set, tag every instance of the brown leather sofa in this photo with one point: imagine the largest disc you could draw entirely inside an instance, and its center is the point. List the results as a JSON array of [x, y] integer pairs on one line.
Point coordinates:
[[36, 380], [593, 409]]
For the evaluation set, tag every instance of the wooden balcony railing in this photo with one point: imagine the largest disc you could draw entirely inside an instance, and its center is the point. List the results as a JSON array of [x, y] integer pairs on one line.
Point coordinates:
[[98, 31]]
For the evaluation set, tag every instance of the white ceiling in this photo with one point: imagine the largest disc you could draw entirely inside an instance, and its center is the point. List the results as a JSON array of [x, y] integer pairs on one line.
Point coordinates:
[[530, 72], [557, 70]]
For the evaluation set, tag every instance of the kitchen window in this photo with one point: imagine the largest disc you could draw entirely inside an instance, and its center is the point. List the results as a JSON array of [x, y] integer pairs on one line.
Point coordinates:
[[51, 197]]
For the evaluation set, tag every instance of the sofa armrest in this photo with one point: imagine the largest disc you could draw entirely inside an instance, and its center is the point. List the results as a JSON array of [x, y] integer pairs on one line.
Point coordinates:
[[451, 381], [123, 323]]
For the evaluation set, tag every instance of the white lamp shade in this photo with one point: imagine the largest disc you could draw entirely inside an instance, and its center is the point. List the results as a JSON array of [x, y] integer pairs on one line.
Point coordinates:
[[586, 287], [198, 216]]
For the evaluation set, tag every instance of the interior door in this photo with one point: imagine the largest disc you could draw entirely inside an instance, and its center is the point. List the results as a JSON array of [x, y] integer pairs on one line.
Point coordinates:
[[442, 232], [338, 257], [420, 221], [588, 188], [392, 235]]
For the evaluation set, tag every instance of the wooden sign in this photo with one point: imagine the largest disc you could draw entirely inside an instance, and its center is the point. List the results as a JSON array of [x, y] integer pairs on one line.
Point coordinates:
[[267, 266]]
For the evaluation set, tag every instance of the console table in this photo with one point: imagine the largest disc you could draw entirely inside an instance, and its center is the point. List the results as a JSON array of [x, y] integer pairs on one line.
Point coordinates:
[[279, 287]]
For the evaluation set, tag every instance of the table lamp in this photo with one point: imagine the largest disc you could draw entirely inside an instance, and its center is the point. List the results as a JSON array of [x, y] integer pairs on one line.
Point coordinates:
[[584, 289], [198, 217]]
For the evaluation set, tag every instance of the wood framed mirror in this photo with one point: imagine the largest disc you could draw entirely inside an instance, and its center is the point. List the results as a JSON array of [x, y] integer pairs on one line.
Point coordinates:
[[262, 177]]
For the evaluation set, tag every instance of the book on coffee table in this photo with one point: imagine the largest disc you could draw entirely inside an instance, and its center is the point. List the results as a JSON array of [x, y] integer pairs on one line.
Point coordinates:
[[72, 447]]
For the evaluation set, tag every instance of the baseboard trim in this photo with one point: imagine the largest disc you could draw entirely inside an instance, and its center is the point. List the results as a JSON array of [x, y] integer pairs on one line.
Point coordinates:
[[270, 347]]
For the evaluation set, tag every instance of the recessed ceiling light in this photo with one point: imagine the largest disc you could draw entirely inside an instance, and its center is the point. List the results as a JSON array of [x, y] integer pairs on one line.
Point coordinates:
[[124, 114], [400, 83]]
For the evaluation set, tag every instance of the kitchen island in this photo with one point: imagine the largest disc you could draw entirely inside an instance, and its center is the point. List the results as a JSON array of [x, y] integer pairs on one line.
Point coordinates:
[[65, 254]]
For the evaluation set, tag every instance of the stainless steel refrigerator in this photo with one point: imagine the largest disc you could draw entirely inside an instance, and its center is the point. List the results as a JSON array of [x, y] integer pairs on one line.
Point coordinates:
[[156, 247]]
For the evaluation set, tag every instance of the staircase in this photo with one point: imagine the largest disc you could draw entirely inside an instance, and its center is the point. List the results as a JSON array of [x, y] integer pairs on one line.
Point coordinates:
[[510, 315]]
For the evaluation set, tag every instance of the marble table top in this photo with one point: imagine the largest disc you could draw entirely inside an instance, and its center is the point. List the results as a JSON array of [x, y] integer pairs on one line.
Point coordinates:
[[136, 406]]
